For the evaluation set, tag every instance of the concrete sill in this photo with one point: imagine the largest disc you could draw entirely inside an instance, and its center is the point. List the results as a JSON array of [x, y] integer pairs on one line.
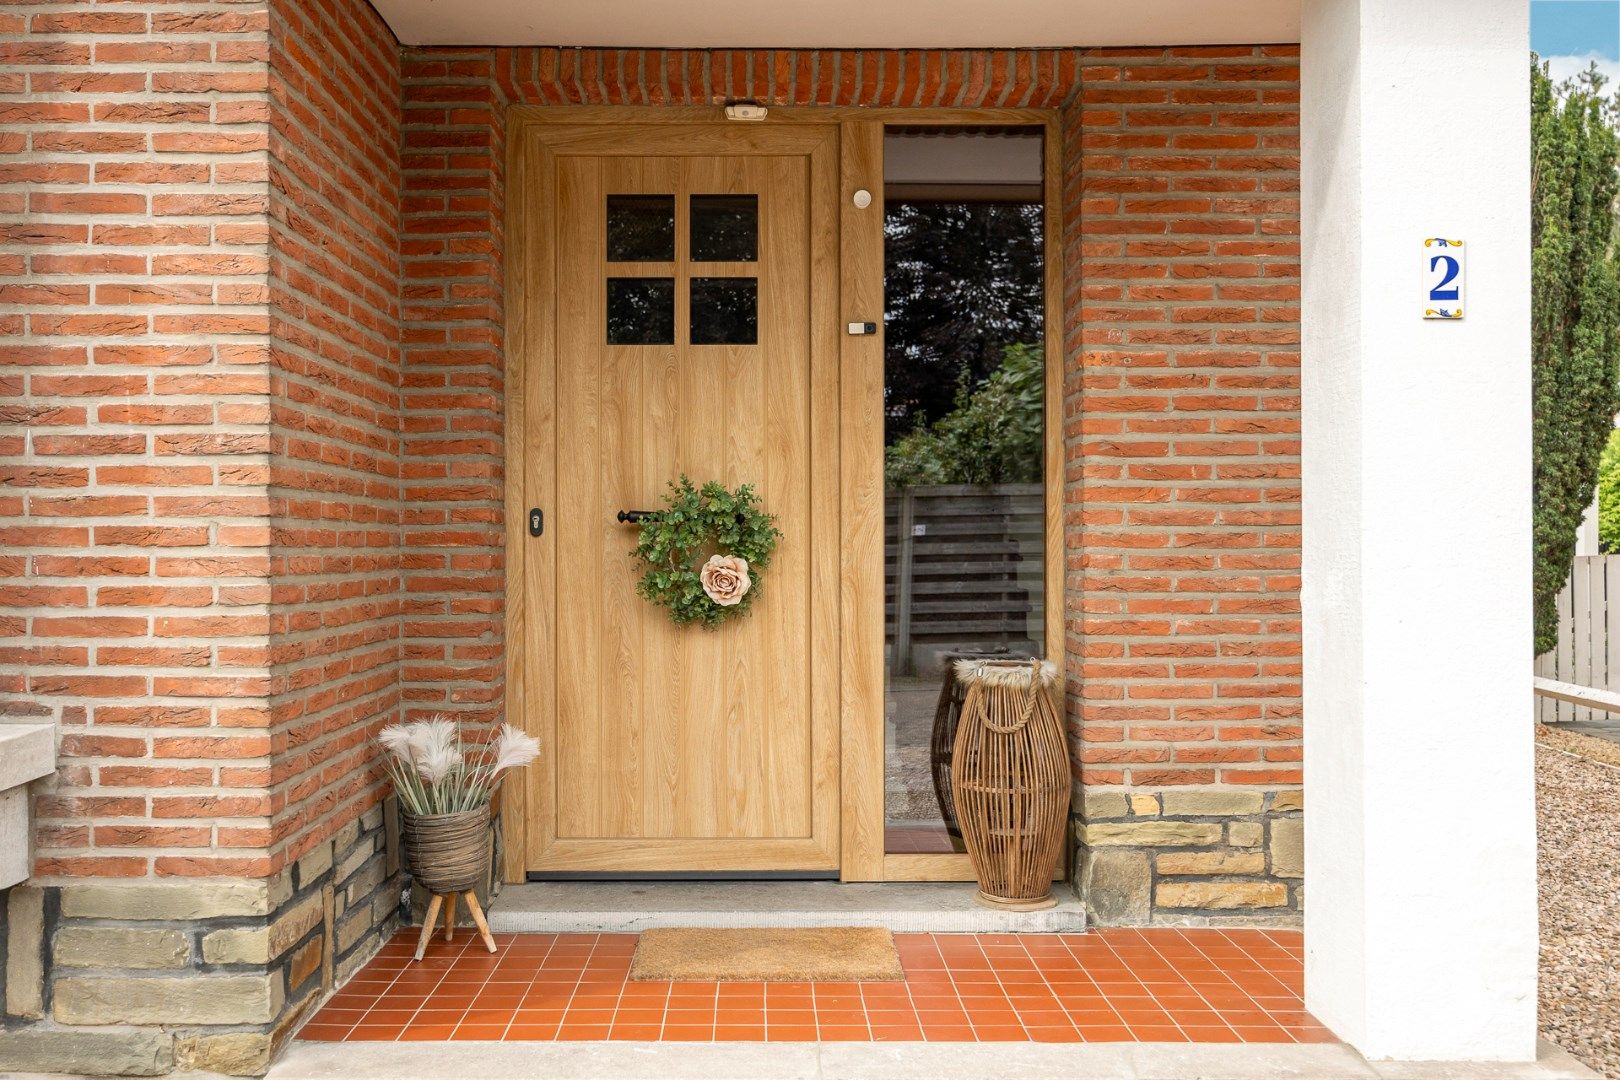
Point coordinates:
[[27, 752]]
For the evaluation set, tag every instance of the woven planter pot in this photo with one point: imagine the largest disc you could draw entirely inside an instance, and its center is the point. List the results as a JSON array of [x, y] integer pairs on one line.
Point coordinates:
[[447, 852], [1010, 779]]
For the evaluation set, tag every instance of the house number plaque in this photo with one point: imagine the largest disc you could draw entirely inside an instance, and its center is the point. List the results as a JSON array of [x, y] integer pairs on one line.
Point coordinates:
[[1443, 264]]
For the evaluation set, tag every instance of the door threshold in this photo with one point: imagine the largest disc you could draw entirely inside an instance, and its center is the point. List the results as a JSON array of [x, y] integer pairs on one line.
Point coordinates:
[[621, 907], [682, 875]]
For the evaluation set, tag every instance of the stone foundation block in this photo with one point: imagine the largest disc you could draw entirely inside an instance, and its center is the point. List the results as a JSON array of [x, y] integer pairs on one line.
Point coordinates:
[[1288, 847], [120, 947], [260, 945], [1221, 895], [1155, 832], [25, 949], [1117, 886], [1210, 862], [193, 998], [170, 902], [87, 1053], [240, 1053], [1213, 803], [1103, 804], [1246, 834]]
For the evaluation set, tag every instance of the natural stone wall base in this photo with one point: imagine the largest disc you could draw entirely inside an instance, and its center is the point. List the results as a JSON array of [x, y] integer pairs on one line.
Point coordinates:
[[199, 976], [87, 1053], [1191, 858]]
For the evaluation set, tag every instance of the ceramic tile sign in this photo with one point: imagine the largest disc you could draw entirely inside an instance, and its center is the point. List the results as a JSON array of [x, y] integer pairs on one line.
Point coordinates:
[[1443, 264]]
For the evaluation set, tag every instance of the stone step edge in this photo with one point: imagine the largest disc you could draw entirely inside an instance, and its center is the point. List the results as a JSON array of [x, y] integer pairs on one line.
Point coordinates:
[[1068, 917]]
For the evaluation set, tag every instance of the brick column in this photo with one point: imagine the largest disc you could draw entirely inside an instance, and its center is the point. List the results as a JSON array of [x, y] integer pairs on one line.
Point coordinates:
[[1183, 471]]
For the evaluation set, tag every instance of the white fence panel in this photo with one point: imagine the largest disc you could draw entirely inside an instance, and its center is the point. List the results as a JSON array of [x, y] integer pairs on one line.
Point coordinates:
[[1588, 650]]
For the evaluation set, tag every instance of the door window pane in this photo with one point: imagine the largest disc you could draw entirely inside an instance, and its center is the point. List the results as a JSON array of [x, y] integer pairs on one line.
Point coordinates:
[[641, 311], [641, 228], [725, 311], [964, 383], [725, 228]]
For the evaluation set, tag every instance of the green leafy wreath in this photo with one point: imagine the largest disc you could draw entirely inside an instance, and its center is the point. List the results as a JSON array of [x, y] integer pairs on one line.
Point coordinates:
[[703, 551]]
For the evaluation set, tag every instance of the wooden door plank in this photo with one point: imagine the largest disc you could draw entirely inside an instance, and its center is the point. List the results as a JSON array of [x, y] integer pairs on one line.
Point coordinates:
[[861, 499]]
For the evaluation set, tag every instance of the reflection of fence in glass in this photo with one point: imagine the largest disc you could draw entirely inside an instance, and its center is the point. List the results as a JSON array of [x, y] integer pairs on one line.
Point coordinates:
[[964, 569]]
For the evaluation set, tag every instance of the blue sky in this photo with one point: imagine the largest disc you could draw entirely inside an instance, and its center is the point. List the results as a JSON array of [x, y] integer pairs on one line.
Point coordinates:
[[1570, 34]]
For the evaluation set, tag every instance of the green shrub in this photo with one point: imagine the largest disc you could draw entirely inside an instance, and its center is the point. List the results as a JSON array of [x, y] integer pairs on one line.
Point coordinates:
[[1609, 495], [1575, 320]]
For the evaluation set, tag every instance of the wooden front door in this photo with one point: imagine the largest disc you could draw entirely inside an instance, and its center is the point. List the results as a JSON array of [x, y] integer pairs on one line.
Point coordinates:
[[694, 276]]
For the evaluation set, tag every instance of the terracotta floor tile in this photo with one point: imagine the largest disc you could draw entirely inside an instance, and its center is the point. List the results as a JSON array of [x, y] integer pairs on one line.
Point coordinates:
[[1157, 984]]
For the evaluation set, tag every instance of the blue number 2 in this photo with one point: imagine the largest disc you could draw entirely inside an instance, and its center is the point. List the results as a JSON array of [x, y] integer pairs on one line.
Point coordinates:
[[1440, 292]]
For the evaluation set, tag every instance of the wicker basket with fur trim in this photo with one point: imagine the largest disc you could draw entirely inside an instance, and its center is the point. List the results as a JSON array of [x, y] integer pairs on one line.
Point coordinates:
[[1010, 779]]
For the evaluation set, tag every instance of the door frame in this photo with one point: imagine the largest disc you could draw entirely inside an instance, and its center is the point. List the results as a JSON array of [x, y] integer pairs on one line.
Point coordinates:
[[860, 632]]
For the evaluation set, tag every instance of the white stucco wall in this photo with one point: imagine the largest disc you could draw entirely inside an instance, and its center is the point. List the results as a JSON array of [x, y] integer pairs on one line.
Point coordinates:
[[1420, 833]]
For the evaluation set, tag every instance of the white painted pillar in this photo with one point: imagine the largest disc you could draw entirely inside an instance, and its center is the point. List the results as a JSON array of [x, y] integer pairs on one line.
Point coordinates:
[[1420, 924]]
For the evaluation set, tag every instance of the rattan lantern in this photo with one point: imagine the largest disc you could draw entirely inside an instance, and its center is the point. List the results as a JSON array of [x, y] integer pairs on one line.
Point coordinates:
[[1010, 779]]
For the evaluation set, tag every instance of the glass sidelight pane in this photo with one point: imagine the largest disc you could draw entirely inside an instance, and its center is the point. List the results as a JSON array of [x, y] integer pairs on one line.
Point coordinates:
[[725, 228], [641, 228], [725, 311], [964, 381], [641, 311]]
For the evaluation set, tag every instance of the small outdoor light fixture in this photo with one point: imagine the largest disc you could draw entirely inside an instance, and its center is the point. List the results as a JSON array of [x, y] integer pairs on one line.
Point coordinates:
[[745, 110]]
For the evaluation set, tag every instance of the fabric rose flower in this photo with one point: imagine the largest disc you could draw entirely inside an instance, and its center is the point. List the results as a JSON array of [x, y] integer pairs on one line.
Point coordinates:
[[725, 579]]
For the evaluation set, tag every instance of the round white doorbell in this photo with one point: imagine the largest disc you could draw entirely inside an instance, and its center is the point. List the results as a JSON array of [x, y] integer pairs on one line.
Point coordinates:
[[863, 199]]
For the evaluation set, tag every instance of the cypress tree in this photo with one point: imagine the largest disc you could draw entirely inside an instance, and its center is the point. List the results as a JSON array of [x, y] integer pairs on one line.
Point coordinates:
[[1575, 320]]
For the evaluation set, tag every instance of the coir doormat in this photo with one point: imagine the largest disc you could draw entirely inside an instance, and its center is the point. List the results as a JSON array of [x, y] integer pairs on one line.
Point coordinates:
[[768, 954]]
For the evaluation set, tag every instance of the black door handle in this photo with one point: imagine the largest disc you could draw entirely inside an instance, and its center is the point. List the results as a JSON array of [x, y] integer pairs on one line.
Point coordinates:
[[634, 517]]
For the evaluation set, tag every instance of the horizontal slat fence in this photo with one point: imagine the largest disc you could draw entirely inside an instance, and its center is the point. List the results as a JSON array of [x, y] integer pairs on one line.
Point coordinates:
[[973, 558], [1588, 650]]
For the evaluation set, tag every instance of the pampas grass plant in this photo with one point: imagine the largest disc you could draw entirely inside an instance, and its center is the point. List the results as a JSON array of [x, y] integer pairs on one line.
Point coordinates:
[[435, 773]]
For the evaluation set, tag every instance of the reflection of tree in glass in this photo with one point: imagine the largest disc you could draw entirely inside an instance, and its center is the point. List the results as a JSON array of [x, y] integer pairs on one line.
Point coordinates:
[[640, 228], [724, 311], [963, 281], [993, 436], [641, 311], [725, 228]]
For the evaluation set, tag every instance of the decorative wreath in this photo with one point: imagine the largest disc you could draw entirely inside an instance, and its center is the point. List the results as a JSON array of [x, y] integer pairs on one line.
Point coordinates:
[[703, 552]]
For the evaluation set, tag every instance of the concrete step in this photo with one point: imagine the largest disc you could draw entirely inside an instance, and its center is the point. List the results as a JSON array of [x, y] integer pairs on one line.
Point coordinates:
[[628, 906]]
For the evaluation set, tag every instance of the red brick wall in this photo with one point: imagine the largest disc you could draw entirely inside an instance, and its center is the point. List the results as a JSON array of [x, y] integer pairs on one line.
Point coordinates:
[[255, 336], [454, 119], [1183, 439], [199, 354], [133, 369], [1181, 351], [335, 412]]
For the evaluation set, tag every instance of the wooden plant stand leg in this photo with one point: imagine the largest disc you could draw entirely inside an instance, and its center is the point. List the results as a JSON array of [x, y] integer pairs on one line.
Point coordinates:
[[428, 924], [478, 917], [450, 917]]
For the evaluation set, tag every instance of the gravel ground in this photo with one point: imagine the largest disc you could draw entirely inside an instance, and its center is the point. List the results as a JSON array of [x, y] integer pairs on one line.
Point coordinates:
[[1578, 821]]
